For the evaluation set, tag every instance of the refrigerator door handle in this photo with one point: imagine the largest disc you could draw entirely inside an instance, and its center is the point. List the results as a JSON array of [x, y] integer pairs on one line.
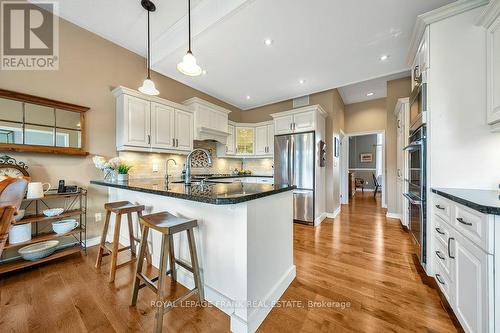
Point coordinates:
[[289, 166], [292, 160]]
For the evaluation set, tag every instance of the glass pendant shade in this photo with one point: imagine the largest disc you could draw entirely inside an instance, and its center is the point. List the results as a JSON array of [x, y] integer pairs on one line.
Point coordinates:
[[148, 88], [188, 65]]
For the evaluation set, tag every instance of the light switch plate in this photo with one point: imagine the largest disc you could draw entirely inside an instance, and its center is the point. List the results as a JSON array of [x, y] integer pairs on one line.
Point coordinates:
[[156, 167], [98, 217]]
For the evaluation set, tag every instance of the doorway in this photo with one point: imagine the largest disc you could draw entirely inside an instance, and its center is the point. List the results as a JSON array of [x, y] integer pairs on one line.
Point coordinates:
[[363, 165]]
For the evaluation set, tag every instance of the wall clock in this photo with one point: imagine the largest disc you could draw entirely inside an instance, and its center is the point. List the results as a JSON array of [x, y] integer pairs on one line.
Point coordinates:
[[9, 167]]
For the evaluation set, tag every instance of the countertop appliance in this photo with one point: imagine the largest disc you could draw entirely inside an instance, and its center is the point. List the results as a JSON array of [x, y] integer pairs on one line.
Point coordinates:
[[417, 190], [294, 164]]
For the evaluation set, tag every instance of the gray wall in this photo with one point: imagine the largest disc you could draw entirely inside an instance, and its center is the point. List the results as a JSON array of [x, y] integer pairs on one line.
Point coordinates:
[[359, 145]]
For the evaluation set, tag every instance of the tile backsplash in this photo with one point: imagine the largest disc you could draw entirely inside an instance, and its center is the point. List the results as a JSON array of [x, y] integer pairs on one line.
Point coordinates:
[[143, 164]]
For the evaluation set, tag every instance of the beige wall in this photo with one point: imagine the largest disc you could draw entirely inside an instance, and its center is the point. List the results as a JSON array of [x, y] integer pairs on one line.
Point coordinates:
[[332, 103], [395, 89], [90, 67], [377, 115], [366, 116]]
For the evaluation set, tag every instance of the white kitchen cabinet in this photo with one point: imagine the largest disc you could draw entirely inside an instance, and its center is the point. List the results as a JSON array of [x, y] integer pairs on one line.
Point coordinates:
[[245, 140], [472, 268], [162, 126], [148, 123], [264, 139], [270, 139], [283, 124], [183, 130], [304, 121], [136, 121], [401, 113], [261, 140], [463, 267], [298, 120], [490, 20], [230, 150]]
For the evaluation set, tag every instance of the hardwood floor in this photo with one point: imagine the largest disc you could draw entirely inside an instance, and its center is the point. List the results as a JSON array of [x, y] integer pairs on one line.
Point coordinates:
[[358, 271]]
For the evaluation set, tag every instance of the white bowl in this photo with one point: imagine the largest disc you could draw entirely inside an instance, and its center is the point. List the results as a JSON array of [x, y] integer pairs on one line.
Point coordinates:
[[39, 250], [64, 226], [53, 212], [20, 215]]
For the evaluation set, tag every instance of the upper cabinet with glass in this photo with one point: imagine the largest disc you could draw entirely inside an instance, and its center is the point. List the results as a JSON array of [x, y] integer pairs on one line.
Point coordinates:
[[36, 124]]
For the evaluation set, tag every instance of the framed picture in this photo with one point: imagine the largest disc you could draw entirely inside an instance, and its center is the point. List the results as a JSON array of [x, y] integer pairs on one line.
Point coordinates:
[[366, 158], [336, 147]]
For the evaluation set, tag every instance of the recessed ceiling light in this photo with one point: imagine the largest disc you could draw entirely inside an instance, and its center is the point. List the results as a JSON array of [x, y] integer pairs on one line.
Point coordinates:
[[384, 57], [248, 97], [268, 41], [370, 94], [204, 72], [301, 81]]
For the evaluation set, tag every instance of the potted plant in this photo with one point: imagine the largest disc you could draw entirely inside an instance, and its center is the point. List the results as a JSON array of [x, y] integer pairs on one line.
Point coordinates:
[[122, 169]]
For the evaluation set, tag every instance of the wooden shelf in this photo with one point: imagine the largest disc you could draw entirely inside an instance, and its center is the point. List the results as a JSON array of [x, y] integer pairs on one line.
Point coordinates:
[[43, 237], [55, 195], [43, 218], [21, 263]]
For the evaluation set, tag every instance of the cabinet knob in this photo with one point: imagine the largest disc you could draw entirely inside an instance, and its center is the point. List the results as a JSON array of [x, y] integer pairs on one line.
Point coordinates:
[[438, 277]]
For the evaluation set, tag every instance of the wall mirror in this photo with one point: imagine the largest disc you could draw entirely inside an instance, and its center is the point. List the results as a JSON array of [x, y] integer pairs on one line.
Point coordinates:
[[37, 124]]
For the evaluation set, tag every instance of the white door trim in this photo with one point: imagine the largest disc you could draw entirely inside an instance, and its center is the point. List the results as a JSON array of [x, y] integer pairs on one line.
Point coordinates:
[[345, 165]]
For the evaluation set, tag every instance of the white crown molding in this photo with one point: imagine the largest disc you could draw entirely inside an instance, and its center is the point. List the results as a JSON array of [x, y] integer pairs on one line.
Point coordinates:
[[436, 15], [489, 14], [196, 100], [315, 107], [120, 90]]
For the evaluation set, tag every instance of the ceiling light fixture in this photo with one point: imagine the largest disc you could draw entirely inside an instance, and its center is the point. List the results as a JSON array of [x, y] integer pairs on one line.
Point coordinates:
[[188, 65], [148, 86], [268, 41], [301, 81], [384, 57], [370, 94], [248, 97], [204, 72]]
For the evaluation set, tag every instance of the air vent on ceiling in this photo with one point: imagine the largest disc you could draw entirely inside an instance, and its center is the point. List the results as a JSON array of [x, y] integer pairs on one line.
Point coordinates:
[[300, 101]]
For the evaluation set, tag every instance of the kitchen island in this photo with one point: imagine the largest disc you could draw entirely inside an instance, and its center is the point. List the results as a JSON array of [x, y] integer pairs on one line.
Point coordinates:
[[244, 240]]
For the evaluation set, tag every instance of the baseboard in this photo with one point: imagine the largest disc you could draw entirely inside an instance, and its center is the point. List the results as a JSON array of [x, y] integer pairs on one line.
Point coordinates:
[[257, 316], [334, 214], [93, 241], [393, 216], [319, 219]]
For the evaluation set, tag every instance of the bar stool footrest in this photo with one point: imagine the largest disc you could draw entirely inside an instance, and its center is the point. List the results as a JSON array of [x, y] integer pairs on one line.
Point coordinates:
[[184, 265]]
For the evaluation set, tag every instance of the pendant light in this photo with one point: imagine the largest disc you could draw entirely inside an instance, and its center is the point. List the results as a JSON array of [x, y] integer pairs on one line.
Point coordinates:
[[148, 87], [188, 65]]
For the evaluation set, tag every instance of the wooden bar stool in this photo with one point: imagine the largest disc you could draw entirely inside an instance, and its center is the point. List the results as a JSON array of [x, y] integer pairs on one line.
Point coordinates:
[[168, 225], [120, 208]]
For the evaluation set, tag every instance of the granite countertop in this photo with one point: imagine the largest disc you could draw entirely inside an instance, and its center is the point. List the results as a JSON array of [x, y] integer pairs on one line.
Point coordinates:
[[212, 193], [484, 201]]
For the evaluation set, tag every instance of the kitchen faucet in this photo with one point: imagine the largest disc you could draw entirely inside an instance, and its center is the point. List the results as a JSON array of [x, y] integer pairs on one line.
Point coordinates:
[[187, 178], [166, 169]]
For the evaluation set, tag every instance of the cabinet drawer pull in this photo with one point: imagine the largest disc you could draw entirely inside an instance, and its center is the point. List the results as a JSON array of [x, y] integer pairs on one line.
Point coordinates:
[[439, 255], [461, 220], [173, 142], [149, 139], [449, 247], [438, 277], [439, 207], [439, 231]]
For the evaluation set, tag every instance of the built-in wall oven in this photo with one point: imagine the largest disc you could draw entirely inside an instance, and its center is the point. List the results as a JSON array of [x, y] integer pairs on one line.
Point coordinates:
[[416, 194]]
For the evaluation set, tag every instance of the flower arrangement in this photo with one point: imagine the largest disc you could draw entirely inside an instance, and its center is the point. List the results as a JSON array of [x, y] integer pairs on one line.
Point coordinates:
[[111, 167]]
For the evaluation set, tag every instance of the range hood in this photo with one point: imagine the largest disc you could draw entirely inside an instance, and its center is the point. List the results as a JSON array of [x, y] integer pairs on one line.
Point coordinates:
[[211, 134], [210, 120]]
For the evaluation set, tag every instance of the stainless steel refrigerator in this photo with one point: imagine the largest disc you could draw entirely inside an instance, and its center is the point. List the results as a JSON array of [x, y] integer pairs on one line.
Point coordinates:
[[294, 163]]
